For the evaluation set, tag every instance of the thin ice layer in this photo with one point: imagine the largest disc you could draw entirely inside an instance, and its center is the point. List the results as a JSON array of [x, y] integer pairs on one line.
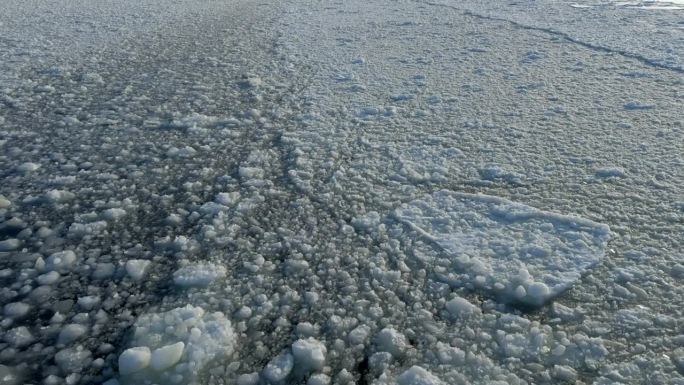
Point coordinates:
[[512, 251]]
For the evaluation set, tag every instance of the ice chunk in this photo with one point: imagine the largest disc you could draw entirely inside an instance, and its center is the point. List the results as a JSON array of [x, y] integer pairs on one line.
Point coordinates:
[[250, 81], [134, 360], [318, 379], [48, 278], [113, 214], [514, 252], [391, 341], [9, 244], [379, 362], [183, 340], [279, 367], [679, 359], [638, 106], [461, 308], [167, 356], [71, 333], [450, 354], [227, 199], [493, 172], [610, 172], [418, 376], [4, 202], [564, 373], [199, 275], [61, 261], [309, 354], [73, 360], [366, 222], [8, 376], [184, 152], [251, 173], [137, 268], [425, 163], [59, 196], [18, 337], [104, 270], [16, 309], [248, 379], [359, 334], [28, 167], [88, 302]]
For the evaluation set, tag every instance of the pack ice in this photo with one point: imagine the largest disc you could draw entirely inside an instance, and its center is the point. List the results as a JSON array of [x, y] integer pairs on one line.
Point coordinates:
[[512, 251]]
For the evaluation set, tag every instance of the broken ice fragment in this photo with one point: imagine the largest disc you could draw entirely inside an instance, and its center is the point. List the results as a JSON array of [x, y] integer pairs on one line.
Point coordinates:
[[134, 359], [167, 356], [279, 367], [199, 275], [418, 376]]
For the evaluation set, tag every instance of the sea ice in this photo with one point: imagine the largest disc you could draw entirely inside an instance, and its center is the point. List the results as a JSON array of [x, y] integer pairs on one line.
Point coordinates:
[[391, 341], [417, 376], [9, 244], [137, 268], [199, 275], [134, 360], [167, 356], [113, 214], [279, 367], [28, 167], [461, 308], [309, 354], [16, 309], [178, 343], [61, 261], [514, 252], [71, 333]]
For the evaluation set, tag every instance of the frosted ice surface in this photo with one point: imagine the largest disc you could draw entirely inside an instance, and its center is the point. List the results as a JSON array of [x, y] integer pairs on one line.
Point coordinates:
[[513, 251]]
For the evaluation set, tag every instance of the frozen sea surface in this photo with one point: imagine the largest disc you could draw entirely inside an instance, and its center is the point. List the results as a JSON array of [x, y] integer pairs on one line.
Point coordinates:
[[370, 192]]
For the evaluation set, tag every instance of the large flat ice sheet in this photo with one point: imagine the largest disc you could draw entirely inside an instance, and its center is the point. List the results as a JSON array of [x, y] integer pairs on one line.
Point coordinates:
[[515, 252]]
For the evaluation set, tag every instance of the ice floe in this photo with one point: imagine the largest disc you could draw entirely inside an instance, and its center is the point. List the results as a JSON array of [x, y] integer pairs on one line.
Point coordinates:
[[511, 251]]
